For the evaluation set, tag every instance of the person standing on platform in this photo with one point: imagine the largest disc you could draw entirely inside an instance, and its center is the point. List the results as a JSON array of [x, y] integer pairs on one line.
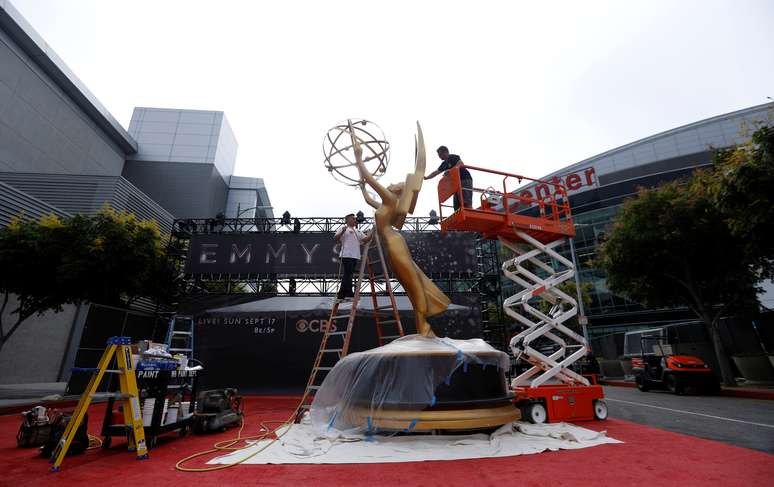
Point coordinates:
[[449, 161], [350, 239]]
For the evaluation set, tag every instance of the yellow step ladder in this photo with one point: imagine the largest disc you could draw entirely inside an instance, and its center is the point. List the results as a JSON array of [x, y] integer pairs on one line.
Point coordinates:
[[121, 349]]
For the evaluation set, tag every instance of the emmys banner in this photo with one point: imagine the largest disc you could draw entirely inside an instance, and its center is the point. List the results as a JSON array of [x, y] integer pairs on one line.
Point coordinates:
[[316, 253]]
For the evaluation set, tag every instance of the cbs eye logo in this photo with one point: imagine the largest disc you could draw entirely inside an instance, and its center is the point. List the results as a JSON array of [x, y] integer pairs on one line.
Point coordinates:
[[314, 326]]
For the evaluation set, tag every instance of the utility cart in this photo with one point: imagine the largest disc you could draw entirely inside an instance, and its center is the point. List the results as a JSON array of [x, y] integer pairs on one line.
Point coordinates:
[[656, 366], [158, 387]]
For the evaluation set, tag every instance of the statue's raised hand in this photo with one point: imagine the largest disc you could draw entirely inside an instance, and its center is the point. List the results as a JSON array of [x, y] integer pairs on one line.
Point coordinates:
[[356, 144]]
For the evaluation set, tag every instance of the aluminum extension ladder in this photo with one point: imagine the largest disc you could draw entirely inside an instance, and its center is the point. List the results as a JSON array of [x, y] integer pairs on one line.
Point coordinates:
[[385, 317], [120, 348], [556, 269], [180, 335]]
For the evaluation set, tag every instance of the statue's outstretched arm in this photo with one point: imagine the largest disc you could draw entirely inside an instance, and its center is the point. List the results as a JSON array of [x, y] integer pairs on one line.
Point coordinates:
[[371, 202], [367, 176]]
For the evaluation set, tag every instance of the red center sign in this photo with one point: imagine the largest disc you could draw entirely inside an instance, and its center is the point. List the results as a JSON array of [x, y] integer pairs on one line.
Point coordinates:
[[574, 182]]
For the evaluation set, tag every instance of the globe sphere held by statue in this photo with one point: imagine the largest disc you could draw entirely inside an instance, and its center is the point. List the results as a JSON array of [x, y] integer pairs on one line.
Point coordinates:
[[340, 155]]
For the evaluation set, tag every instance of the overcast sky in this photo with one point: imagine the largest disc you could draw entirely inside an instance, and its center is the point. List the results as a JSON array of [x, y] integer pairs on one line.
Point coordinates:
[[526, 87]]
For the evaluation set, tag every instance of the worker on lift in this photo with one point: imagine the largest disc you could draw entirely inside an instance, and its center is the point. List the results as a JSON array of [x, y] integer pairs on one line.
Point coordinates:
[[449, 161]]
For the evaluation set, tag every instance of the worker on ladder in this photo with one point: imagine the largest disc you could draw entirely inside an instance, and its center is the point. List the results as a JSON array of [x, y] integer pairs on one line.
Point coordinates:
[[350, 239]]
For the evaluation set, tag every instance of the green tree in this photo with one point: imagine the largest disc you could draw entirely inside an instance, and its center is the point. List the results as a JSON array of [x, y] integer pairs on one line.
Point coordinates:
[[669, 247], [742, 189], [109, 258]]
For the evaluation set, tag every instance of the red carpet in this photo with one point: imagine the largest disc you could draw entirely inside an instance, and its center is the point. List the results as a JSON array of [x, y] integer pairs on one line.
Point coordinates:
[[649, 456]]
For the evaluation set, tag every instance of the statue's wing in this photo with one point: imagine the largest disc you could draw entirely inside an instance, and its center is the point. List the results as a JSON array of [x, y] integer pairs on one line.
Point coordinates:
[[408, 200]]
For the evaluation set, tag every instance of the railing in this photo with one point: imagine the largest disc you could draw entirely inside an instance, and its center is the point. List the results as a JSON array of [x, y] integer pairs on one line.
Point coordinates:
[[197, 226], [549, 201]]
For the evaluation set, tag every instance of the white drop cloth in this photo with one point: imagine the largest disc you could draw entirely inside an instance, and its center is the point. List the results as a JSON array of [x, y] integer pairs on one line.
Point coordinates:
[[302, 445]]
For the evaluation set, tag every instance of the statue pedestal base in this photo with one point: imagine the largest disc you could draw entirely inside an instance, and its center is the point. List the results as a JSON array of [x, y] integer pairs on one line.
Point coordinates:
[[474, 396]]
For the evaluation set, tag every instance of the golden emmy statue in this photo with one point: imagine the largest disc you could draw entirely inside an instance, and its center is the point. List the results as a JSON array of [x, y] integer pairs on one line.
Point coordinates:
[[398, 200], [417, 382]]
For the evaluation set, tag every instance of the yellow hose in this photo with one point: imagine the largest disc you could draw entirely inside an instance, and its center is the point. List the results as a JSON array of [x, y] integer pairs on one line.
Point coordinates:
[[94, 442], [227, 446]]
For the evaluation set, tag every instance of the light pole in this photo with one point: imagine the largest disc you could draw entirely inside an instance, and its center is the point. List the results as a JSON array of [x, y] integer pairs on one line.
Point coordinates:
[[582, 317]]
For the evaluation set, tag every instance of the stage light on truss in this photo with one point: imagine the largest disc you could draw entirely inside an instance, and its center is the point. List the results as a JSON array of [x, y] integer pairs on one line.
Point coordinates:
[[285, 218], [360, 217], [433, 218]]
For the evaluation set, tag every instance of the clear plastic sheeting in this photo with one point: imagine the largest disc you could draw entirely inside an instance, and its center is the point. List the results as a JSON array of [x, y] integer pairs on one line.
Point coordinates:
[[302, 445], [402, 375]]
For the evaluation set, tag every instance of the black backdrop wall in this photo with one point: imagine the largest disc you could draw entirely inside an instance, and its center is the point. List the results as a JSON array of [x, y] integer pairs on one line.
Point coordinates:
[[273, 351]]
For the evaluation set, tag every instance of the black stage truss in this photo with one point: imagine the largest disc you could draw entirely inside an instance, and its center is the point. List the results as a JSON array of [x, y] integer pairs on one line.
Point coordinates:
[[484, 279]]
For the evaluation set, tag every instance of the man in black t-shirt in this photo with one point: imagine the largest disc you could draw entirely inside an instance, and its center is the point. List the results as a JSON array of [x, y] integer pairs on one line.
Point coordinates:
[[449, 161]]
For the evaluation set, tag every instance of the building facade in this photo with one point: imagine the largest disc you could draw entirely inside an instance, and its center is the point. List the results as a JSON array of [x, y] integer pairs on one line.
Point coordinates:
[[597, 187], [185, 161], [62, 152], [60, 146]]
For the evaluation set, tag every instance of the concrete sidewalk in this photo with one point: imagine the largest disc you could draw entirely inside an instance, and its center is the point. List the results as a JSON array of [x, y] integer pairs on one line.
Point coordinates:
[[14, 397], [757, 391]]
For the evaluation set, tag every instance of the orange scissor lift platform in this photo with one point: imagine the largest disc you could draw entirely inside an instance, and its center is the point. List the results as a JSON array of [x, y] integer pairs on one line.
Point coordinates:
[[502, 211], [531, 224]]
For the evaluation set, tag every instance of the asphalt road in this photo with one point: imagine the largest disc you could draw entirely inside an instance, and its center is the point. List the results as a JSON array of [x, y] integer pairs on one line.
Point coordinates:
[[748, 423]]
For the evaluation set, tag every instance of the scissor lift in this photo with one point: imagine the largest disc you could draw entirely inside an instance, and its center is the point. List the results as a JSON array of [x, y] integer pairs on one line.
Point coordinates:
[[532, 226]]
